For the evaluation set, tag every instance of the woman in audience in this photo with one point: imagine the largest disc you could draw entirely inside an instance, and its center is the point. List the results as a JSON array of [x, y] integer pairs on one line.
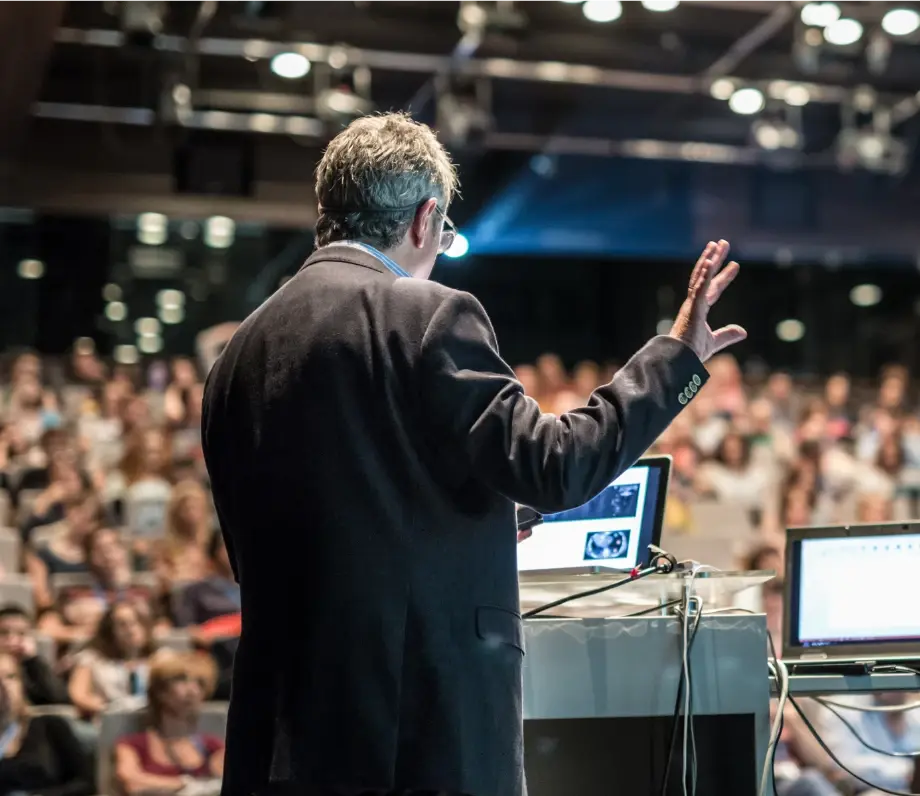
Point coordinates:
[[176, 401], [731, 477], [65, 552], [114, 666], [183, 555], [39, 755], [79, 608], [172, 753], [64, 481]]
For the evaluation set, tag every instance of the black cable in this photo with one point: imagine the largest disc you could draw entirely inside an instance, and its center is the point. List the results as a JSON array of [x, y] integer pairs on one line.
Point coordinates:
[[827, 749], [862, 740], [675, 718], [651, 610], [660, 563]]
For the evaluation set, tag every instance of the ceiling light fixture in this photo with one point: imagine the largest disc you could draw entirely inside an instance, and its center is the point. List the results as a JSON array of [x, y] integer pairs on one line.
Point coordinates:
[[843, 32], [820, 15], [746, 101], [602, 10], [900, 22], [290, 66]]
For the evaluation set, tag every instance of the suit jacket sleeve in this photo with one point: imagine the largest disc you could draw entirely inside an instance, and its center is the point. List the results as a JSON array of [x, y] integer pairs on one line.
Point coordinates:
[[478, 410]]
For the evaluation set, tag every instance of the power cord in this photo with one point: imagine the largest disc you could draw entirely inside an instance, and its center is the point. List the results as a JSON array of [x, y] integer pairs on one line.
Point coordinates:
[[661, 563], [863, 741], [678, 701]]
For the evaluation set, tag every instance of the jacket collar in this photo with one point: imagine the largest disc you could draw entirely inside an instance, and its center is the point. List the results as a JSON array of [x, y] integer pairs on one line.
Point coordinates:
[[344, 253]]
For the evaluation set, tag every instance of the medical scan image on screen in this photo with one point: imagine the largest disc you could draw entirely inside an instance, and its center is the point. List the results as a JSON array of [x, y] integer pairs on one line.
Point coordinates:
[[613, 529]]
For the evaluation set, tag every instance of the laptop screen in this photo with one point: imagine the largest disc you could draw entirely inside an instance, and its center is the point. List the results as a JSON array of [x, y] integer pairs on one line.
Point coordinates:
[[853, 587], [614, 529]]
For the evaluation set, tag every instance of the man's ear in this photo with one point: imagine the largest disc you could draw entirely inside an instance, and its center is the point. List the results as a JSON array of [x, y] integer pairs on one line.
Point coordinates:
[[418, 231]]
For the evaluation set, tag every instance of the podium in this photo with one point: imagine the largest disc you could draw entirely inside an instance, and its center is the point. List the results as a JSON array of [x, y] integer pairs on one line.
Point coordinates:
[[600, 689]]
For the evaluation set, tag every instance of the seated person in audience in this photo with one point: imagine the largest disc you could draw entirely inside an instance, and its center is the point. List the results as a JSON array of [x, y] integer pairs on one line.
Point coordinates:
[[215, 597], [732, 478], [78, 609], [172, 754], [64, 482], [39, 755], [799, 767], [66, 550], [874, 507], [41, 684], [892, 731], [182, 557], [114, 666]]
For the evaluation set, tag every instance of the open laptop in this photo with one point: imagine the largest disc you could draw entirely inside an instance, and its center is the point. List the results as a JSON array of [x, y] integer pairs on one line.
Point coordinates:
[[610, 532], [852, 595]]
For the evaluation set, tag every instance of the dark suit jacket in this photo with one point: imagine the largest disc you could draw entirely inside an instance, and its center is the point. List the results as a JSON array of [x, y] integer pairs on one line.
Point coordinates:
[[366, 444]]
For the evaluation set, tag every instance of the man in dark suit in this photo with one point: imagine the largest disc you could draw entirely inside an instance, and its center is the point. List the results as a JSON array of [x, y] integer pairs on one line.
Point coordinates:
[[366, 445]]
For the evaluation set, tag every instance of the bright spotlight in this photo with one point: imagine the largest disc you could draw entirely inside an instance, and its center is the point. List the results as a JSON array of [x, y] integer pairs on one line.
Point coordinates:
[[797, 95], [116, 311], [602, 10], [722, 89], [843, 32], [172, 313], [111, 292], [790, 330], [30, 269], [820, 15], [746, 101], [660, 5], [152, 229], [147, 327], [459, 247], [150, 343], [126, 354], [901, 22], [290, 65], [219, 232], [866, 295], [170, 298]]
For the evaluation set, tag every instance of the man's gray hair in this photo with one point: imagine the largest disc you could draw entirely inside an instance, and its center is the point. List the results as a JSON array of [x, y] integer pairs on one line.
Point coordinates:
[[375, 174]]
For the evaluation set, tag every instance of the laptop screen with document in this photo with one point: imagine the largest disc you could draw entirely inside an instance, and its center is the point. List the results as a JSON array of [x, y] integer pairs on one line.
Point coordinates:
[[853, 591]]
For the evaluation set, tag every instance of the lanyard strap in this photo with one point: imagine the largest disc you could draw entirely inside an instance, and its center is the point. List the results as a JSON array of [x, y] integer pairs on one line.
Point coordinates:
[[390, 264]]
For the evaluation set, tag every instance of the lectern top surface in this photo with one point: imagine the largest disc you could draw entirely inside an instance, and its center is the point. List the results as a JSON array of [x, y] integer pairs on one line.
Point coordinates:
[[540, 588]]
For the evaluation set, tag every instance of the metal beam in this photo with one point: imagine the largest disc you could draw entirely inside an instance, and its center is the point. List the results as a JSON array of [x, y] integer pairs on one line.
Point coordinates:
[[643, 149], [496, 68], [89, 194], [26, 39], [751, 41]]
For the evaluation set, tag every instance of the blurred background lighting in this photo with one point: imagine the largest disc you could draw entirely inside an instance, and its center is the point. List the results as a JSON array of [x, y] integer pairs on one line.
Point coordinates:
[[790, 330], [722, 89], [660, 5], [820, 15], [145, 327], [843, 32], [152, 229], [170, 298], [150, 344], [290, 65], [219, 232], [111, 292], [171, 314], [459, 247], [866, 295], [602, 10], [125, 355], [31, 269], [900, 22], [116, 311], [746, 101]]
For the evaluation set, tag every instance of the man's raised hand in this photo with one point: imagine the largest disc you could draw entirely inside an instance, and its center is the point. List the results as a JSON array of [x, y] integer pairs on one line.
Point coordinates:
[[707, 282]]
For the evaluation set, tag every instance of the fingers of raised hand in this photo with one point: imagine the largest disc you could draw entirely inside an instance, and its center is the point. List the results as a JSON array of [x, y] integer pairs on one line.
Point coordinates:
[[696, 274], [722, 281]]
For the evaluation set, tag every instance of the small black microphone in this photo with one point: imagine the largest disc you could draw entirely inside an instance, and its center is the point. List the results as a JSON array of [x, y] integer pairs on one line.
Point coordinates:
[[662, 560]]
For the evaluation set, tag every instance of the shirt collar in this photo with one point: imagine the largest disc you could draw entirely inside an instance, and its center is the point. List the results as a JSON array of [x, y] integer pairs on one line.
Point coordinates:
[[390, 264]]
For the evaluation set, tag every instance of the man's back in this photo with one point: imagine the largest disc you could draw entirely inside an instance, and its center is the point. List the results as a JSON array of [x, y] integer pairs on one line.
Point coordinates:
[[356, 543]]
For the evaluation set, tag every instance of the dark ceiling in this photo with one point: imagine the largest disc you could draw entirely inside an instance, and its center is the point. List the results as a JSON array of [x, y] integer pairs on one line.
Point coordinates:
[[597, 138]]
